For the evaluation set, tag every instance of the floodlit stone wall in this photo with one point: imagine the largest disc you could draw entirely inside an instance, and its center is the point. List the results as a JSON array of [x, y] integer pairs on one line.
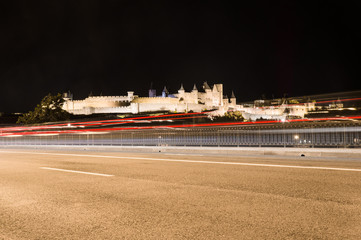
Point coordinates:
[[162, 100], [181, 102], [275, 112]]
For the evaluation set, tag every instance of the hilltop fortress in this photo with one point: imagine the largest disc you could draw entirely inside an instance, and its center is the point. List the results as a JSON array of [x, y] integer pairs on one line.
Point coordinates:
[[209, 98]]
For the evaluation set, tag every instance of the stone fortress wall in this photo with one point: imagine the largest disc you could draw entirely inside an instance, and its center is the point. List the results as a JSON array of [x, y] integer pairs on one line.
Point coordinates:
[[153, 100], [179, 102], [208, 98]]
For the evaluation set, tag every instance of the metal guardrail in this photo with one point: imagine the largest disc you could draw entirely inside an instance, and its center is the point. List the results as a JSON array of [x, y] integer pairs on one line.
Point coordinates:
[[286, 135]]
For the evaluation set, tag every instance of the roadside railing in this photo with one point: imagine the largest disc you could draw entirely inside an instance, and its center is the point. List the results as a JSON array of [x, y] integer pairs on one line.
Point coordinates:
[[285, 135]]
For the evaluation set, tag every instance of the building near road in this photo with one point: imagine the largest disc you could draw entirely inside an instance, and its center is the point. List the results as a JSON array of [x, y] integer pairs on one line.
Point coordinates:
[[278, 112], [208, 98]]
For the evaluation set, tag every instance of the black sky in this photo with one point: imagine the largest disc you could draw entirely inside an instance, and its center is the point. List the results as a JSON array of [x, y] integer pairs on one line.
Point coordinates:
[[110, 47]]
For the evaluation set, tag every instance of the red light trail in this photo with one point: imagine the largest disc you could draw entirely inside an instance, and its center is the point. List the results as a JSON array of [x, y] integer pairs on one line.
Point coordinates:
[[171, 126], [319, 102], [33, 130], [5, 131]]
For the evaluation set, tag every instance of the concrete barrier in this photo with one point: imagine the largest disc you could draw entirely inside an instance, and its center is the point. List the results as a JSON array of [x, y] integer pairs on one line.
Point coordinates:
[[255, 151]]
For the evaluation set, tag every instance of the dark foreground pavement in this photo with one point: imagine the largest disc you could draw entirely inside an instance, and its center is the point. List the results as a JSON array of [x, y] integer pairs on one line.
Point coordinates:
[[148, 198]]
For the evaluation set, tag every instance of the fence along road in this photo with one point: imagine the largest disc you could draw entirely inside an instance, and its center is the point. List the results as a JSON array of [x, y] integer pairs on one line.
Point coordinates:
[[315, 134]]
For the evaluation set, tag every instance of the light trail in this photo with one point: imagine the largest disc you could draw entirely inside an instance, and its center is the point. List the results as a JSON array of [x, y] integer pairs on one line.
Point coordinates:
[[316, 102], [341, 100], [134, 120], [144, 117], [178, 126], [114, 123], [131, 120], [100, 122]]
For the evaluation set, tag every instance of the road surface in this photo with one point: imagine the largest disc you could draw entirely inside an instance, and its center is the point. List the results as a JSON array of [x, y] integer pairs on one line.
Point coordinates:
[[58, 194]]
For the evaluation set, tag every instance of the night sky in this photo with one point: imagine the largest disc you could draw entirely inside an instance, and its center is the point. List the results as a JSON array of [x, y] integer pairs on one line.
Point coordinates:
[[111, 47]]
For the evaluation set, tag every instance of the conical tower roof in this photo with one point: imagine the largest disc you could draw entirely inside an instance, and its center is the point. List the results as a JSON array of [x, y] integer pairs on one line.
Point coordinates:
[[206, 86], [215, 88], [195, 88], [181, 88], [232, 96], [165, 89]]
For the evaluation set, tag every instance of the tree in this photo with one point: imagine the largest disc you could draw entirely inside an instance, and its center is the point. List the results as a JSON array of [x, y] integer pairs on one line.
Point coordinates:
[[236, 115], [49, 110], [229, 116]]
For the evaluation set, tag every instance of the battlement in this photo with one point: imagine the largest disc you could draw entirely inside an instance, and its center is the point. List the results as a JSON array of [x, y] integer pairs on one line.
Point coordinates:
[[155, 100], [107, 98], [178, 102]]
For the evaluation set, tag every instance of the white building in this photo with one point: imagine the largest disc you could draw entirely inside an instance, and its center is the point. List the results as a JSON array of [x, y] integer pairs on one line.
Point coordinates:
[[206, 99], [275, 112]]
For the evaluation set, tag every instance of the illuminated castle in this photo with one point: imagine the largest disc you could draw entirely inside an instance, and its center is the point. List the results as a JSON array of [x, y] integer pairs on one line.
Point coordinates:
[[206, 99]]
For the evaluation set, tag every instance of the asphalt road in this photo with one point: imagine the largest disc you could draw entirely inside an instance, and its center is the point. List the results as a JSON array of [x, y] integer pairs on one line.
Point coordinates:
[[113, 195]]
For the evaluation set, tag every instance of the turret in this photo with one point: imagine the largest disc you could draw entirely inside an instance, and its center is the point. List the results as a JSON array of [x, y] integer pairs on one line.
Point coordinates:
[[165, 92], [195, 88], [130, 95], [181, 90], [195, 94], [181, 93], [215, 88], [217, 94], [206, 87], [68, 96], [68, 101], [152, 92], [225, 101], [233, 99]]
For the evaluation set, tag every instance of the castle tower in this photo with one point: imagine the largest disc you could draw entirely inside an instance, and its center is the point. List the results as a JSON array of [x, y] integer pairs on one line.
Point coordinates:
[[68, 101], [233, 99], [152, 92], [195, 88], [195, 94], [165, 92], [225, 101], [208, 94], [130, 95], [206, 87], [181, 92], [215, 88], [217, 94], [68, 96]]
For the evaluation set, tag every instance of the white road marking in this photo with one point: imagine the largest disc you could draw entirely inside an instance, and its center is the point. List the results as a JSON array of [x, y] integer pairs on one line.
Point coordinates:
[[194, 161], [73, 171]]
